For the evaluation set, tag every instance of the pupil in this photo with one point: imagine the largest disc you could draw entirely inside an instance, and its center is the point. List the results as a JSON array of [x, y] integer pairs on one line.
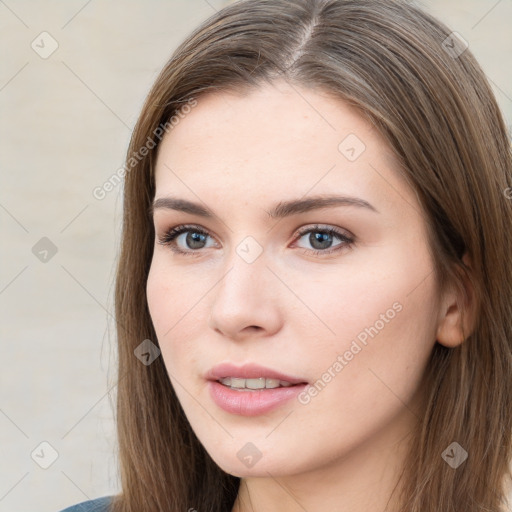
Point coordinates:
[[323, 238]]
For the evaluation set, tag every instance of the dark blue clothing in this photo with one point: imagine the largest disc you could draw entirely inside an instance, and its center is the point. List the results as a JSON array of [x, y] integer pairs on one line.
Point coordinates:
[[96, 505]]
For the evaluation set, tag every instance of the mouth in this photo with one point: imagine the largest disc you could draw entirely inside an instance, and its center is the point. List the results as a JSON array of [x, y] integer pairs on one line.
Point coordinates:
[[260, 383], [253, 396], [251, 377]]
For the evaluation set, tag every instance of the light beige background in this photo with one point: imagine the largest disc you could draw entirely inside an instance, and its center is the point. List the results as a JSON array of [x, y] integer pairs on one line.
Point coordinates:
[[65, 125]]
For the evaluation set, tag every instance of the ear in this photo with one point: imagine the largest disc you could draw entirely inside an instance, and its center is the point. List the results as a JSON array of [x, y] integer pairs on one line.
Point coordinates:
[[457, 313]]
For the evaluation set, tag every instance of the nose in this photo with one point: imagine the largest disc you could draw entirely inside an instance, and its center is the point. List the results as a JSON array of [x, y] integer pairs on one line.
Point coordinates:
[[245, 302]]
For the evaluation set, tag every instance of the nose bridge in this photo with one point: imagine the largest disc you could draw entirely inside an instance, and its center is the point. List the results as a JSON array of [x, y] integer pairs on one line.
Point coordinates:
[[245, 297], [244, 282]]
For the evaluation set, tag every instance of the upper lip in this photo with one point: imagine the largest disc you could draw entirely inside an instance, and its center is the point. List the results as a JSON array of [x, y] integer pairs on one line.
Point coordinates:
[[249, 371]]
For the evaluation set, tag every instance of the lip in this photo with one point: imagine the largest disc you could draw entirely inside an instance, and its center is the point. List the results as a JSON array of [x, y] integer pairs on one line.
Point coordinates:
[[251, 403], [249, 371]]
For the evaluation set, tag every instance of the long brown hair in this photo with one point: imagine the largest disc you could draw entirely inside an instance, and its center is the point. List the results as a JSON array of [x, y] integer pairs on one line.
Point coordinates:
[[426, 94]]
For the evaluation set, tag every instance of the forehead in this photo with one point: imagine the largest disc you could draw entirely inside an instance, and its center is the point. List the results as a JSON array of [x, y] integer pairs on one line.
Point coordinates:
[[277, 140]]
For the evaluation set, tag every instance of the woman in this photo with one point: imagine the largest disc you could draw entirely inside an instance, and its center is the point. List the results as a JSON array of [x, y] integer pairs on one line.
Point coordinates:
[[316, 202]]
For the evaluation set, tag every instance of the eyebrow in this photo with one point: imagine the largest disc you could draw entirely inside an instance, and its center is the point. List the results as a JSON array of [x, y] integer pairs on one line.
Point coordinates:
[[280, 210]]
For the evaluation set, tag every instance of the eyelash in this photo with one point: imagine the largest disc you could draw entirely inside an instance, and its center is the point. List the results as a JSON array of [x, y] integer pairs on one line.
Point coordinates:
[[169, 237]]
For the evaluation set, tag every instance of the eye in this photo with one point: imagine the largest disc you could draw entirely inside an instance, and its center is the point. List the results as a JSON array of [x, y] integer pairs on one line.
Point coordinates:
[[194, 238], [321, 239]]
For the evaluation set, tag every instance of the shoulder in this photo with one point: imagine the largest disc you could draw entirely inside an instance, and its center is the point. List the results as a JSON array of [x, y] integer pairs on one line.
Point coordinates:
[[96, 505]]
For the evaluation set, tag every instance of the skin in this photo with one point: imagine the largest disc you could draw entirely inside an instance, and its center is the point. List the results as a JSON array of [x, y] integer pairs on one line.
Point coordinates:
[[291, 309]]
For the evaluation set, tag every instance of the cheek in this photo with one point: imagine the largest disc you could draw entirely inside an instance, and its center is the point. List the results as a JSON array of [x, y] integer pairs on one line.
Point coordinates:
[[383, 292], [384, 325], [175, 300]]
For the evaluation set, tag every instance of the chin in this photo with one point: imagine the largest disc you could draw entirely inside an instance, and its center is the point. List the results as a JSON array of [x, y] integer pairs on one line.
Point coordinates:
[[235, 465]]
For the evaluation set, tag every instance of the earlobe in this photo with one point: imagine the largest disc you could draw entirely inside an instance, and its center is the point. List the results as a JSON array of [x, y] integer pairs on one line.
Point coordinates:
[[458, 311]]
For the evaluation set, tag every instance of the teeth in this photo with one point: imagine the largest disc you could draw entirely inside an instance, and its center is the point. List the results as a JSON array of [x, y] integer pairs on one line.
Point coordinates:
[[259, 383]]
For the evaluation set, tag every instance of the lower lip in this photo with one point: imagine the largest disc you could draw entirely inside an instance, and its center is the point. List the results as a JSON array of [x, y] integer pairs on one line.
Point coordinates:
[[251, 403]]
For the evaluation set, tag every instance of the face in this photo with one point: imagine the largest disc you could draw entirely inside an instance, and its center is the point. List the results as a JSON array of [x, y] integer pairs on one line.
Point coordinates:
[[340, 295]]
